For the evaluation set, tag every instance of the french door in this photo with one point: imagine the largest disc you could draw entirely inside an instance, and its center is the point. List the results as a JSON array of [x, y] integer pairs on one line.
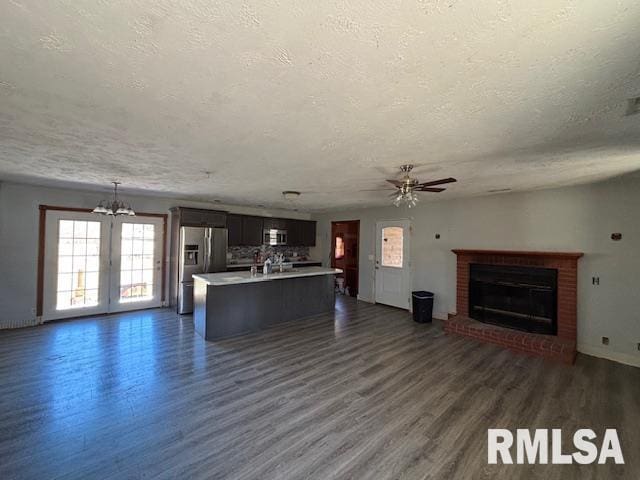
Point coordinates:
[[392, 271], [136, 263], [96, 265]]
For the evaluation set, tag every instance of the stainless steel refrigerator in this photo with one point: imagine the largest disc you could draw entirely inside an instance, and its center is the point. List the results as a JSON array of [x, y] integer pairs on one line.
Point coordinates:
[[202, 250]]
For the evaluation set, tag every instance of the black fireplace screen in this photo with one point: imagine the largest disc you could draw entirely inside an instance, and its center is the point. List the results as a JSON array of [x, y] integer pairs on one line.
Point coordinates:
[[523, 298]]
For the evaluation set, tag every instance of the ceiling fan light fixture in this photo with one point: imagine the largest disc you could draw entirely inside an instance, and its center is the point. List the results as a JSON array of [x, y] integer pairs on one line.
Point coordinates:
[[408, 187]]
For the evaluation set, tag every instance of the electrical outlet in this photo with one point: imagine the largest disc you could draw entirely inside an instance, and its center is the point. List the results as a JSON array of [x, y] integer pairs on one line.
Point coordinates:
[[605, 340]]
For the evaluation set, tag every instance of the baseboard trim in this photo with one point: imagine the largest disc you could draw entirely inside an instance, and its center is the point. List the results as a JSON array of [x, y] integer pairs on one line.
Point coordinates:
[[363, 299], [607, 354]]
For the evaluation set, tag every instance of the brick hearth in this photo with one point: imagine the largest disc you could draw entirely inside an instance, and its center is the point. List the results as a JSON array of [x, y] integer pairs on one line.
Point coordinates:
[[559, 347]]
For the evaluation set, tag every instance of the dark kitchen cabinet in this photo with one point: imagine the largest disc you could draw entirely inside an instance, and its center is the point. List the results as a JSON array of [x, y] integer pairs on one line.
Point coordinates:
[[196, 217], [244, 230], [252, 228], [301, 233], [294, 233], [275, 223], [234, 225], [247, 230], [308, 234]]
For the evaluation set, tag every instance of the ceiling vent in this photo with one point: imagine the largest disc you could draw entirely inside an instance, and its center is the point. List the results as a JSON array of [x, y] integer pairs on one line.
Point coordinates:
[[633, 106]]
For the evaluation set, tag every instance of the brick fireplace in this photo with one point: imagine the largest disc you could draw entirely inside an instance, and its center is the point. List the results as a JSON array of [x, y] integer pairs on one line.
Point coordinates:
[[561, 346]]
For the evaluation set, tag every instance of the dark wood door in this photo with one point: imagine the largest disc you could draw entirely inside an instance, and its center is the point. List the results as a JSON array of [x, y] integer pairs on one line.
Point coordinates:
[[252, 228], [234, 224]]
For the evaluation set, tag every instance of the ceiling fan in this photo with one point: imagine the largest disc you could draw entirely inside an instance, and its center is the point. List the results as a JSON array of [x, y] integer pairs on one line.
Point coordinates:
[[407, 187]]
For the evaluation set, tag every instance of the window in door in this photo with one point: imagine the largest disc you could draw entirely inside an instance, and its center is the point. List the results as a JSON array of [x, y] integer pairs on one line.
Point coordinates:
[[137, 262], [78, 275], [339, 250], [392, 243]]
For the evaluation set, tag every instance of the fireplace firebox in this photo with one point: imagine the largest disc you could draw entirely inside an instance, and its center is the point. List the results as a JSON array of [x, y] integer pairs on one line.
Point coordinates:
[[522, 298]]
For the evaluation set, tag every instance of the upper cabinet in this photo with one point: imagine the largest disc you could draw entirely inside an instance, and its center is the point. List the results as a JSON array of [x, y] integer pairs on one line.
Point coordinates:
[[252, 228], [275, 223], [247, 230], [244, 230], [309, 233], [301, 233], [234, 225], [196, 217]]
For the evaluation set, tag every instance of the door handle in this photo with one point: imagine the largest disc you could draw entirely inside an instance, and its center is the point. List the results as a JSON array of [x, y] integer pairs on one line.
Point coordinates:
[[205, 255]]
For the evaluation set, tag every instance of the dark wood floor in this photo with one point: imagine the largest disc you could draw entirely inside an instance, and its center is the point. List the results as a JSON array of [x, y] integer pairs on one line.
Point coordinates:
[[366, 393]]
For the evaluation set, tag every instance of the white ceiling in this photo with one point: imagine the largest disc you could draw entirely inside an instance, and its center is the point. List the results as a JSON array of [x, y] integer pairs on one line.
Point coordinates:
[[325, 97]]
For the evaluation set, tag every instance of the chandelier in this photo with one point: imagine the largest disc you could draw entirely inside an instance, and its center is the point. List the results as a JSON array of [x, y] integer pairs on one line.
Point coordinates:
[[115, 206], [406, 195]]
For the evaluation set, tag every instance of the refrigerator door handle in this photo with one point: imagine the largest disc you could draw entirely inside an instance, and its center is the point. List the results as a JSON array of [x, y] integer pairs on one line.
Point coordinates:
[[205, 253], [207, 250]]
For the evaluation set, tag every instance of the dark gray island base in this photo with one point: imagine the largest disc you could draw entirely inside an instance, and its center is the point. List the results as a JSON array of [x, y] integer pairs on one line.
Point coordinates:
[[233, 303]]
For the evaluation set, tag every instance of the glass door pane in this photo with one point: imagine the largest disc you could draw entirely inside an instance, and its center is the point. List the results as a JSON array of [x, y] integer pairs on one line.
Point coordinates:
[[78, 279], [76, 270], [137, 262], [136, 257], [392, 247]]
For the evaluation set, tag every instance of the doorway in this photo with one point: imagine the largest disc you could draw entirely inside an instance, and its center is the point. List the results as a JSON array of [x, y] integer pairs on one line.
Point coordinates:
[[345, 237], [392, 270], [95, 264]]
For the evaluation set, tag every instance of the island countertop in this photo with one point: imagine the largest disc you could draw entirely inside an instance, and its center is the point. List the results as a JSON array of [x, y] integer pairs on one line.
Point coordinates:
[[234, 278]]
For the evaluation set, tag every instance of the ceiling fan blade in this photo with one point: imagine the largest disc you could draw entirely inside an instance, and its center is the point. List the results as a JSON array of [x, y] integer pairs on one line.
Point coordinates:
[[438, 182], [375, 190], [397, 183], [430, 189]]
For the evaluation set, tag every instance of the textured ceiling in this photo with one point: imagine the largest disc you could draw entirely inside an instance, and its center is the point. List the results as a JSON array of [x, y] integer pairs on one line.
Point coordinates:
[[320, 96]]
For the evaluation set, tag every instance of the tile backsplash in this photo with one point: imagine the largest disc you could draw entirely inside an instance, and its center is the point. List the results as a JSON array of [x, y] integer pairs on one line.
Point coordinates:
[[246, 253]]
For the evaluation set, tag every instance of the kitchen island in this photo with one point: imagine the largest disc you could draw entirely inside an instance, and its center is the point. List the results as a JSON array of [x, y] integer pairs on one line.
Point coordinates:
[[233, 303]]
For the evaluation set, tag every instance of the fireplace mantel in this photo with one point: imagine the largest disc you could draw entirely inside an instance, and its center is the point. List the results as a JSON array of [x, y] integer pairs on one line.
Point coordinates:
[[561, 346], [517, 253]]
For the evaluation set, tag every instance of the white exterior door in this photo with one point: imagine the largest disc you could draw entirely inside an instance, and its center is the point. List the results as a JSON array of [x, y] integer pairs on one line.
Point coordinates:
[[392, 269], [136, 263], [76, 268], [96, 264]]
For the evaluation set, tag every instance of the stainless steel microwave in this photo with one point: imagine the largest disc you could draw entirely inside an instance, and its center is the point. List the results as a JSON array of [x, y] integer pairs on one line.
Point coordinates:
[[273, 236]]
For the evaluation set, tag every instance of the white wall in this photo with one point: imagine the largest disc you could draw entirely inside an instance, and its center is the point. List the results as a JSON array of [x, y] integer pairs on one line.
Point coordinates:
[[570, 219], [19, 216]]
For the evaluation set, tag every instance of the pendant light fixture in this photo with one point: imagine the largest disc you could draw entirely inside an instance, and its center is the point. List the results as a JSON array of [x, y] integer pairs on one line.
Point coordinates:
[[115, 206]]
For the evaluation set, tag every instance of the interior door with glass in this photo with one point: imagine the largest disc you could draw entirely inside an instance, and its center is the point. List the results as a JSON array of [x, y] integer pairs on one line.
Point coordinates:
[[76, 268], [136, 265], [392, 273]]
